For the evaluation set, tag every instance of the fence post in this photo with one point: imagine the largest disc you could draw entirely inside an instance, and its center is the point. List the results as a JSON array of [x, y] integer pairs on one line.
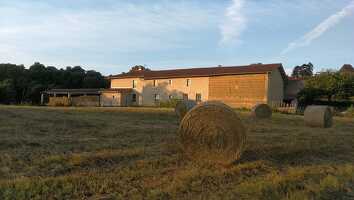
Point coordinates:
[[42, 98]]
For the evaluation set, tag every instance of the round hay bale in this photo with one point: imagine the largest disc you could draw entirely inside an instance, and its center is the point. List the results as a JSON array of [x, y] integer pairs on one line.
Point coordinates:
[[182, 107], [318, 116], [212, 132], [262, 111]]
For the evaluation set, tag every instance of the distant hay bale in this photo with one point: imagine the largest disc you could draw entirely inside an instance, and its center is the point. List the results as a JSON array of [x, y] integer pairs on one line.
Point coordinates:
[[182, 107], [261, 111], [212, 132], [318, 116]]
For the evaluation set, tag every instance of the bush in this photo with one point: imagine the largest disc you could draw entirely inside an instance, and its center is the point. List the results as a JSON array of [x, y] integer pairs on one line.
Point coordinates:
[[168, 104], [350, 111], [329, 85], [308, 95]]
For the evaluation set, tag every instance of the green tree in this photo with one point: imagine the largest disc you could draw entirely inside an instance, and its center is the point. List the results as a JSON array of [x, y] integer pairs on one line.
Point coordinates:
[[18, 84], [7, 91], [303, 71], [17, 76], [330, 85], [94, 79]]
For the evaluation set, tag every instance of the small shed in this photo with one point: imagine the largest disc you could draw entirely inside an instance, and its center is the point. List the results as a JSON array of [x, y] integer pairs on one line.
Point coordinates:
[[86, 97], [116, 97]]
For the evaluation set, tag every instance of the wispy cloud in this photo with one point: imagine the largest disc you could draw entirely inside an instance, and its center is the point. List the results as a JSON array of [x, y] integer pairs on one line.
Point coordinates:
[[321, 28], [234, 24], [66, 36]]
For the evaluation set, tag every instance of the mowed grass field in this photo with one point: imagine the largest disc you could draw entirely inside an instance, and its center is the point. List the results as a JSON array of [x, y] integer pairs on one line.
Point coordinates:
[[133, 153]]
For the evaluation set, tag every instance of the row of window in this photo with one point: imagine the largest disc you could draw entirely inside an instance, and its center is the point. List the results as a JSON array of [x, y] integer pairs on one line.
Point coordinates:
[[198, 97], [155, 82], [188, 83]]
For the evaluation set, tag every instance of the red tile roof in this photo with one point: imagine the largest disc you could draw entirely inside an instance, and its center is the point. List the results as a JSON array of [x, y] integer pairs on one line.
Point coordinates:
[[87, 91], [347, 68], [203, 72], [116, 90]]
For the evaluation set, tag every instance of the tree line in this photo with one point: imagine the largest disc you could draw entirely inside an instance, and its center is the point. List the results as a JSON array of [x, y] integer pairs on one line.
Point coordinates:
[[330, 86], [20, 85]]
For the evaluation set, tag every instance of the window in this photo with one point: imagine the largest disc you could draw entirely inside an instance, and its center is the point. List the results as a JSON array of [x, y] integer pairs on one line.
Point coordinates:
[[188, 82], [157, 97], [154, 83], [170, 82], [134, 83], [133, 98], [185, 96], [198, 97]]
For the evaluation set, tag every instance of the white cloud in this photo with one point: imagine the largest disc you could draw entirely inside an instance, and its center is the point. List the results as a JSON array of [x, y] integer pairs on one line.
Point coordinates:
[[234, 24], [67, 36], [321, 28]]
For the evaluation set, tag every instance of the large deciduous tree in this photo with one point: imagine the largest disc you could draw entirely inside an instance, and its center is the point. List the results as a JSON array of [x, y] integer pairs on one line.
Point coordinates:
[[303, 71]]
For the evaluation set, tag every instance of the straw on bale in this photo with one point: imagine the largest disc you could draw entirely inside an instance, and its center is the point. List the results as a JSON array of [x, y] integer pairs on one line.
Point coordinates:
[[261, 111], [182, 107], [318, 116], [212, 132]]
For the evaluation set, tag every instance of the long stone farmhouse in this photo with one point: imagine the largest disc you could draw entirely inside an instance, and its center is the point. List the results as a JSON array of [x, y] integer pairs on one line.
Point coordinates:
[[237, 86]]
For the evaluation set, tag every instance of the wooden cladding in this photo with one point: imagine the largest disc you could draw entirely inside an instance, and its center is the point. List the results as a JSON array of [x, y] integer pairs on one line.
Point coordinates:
[[240, 90]]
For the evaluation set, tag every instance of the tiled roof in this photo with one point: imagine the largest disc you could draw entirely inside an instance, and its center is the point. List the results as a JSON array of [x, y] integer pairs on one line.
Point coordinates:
[[86, 91], [119, 90], [203, 72], [347, 68]]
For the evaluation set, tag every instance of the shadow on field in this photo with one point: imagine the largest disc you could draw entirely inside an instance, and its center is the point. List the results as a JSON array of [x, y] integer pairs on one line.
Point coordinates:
[[297, 156]]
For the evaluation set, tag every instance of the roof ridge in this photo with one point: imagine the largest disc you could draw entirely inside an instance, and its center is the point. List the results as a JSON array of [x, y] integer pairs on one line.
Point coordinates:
[[202, 71], [221, 66]]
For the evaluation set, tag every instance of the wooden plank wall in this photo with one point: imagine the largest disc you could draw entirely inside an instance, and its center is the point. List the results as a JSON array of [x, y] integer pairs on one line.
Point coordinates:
[[85, 101], [59, 101], [239, 90]]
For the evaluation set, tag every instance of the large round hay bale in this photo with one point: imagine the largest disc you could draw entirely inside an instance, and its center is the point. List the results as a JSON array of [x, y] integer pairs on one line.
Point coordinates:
[[212, 132], [318, 116], [262, 111], [182, 107]]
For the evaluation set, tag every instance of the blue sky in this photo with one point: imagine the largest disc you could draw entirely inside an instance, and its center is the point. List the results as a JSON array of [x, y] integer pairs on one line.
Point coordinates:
[[110, 36]]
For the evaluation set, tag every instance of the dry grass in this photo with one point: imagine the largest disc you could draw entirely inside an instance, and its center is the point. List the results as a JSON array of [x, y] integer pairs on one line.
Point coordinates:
[[131, 153]]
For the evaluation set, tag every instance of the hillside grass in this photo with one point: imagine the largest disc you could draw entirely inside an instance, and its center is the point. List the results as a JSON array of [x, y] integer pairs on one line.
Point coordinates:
[[132, 153]]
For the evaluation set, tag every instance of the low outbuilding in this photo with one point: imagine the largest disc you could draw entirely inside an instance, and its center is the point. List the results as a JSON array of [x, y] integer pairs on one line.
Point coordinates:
[[87, 97]]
